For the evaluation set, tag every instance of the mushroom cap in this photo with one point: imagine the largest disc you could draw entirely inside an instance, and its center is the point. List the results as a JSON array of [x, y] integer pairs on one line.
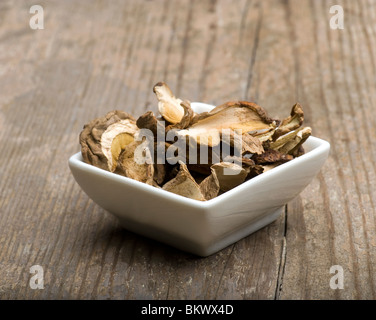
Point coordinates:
[[103, 139]]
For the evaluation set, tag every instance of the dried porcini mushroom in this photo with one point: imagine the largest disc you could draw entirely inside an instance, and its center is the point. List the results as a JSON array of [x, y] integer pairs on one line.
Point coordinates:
[[251, 145], [159, 173], [291, 141], [210, 186], [184, 184], [186, 118], [271, 156], [103, 139], [236, 116], [294, 121], [148, 121], [132, 165], [168, 105], [229, 175], [255, 143]]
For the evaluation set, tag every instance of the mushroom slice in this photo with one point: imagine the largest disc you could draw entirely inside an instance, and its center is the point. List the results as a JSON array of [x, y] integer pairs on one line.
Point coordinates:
[[252, 169], [186, 119], [271, 156], [210, 186], [266, 136], [148, 121], [249, 144], [184, 184], [132, 166], [229, 175], [290, 143], [103, 139], [159, 173], [271, 166], [294, 121], [292, 147], [235, 115], [238, 116], [169, 106]]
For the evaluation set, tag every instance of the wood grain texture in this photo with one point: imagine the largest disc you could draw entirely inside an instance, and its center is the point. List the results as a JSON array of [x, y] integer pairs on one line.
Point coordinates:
[[93, 57]]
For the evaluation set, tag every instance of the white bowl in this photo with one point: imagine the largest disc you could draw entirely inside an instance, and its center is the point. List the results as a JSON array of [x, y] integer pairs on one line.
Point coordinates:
[[202, 228]]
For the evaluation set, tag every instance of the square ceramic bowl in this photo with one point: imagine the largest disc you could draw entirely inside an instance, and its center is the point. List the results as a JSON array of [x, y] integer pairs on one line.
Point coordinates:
[[201, 228]]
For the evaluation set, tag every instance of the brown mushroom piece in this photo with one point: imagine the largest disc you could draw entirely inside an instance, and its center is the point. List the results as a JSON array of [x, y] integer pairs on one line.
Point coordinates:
[[210, 186], [229, 175], [271, 156], [238, 116], [148, 121], [184, 184], [266, 136], [159, 173], [168, 105], [103, 139], [252, 169], [186, 119], [291, 142], [293, 147], [160, 165], [132, 163], [294, 121], [249, 144]]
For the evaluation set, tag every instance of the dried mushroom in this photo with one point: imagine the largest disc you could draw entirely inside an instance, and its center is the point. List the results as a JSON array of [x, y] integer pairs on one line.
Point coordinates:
[[186, 118], [237, 116], [131, 163], [271, 156], [103, 139], [184, 184], [294, 121], [251, 144], [159, 173], [229, 175], [210, 186], [211, 152], [169, 106], [290, 142], [148, 121]]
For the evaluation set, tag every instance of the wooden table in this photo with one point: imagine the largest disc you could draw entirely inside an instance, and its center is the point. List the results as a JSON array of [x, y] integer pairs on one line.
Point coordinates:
[[96, 56]]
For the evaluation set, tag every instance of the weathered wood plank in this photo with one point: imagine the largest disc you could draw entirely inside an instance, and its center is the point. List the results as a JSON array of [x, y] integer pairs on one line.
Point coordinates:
[[336, 212]]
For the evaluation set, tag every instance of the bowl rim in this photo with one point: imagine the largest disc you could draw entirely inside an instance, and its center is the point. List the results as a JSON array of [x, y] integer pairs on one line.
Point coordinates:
[[321, 148]]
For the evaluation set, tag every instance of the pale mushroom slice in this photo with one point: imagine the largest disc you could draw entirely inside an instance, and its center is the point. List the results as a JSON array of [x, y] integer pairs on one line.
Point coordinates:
[[186, 119], [291, 142], [238, 116], [265, 136], [184, 184], [292, 146], [293, 122], [251, 144], [132, 163], [229, 175], [235, 115], [169, 106], [247, 144], [103, 139]]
